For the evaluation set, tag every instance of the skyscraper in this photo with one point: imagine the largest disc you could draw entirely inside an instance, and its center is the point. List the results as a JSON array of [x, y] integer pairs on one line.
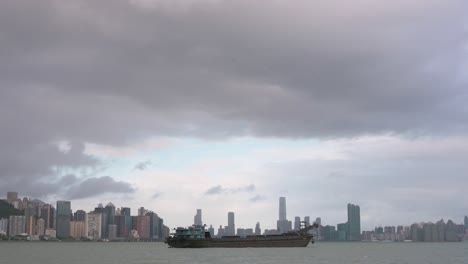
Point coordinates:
[[125, 211], [466, 222], [354, 223], [231, 227], [283, 225], [258, 231], [282, 208], [109, 214], [48, 213], [197, 219], [63, 219]]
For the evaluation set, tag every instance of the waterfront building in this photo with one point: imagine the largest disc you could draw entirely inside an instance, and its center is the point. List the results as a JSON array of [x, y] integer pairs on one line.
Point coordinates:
[[318, 231], [221, 231], [143, 226], [40, 227], [197, 219], [3, 226], [354, 223], [329, 233], [156, 226], [231, 227], [103, 214], [63, 219], [450, 232], [112, 232], [440, 230], [78, 229], [124, 225], [30, 213], [109, 214], [52, 233], [94, 225], [466, 224], [17, 224], [258, 231], [342, 231]]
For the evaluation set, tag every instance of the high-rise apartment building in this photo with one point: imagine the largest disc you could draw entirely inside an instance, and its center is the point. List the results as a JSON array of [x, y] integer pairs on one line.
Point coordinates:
[[78, 229], [48, 214], [466, 222], [231, 227], [63, 219], [307, 220], [17, 225], [197, 219], [4, 226], [94, 225], [354, 223]]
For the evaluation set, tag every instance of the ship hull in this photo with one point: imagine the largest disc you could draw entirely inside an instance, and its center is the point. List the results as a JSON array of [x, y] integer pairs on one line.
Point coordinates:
[[282, 241]]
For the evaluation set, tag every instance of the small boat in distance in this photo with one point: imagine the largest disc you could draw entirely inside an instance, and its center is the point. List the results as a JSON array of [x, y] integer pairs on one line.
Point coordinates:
[[197, 237]]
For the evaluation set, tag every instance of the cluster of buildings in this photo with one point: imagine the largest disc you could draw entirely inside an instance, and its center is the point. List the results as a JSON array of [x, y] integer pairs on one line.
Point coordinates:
[[421, 232], [283, 225], [42, 221], [349, 230]]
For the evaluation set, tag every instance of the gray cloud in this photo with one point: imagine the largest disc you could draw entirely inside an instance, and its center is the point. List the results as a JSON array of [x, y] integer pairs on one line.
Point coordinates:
[[218, 189], [143, 165], [97, 186], [257, 198], [156, 195]]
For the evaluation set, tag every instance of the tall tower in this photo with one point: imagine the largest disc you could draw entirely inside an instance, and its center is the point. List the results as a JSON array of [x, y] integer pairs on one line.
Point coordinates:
[[466, 222], [197, 219], [354, 223], [231, 225], [283, 225], [63, 219], [282, 208]]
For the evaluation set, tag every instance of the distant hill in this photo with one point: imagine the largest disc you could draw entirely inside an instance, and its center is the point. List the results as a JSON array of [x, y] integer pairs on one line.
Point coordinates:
[[7, 209]]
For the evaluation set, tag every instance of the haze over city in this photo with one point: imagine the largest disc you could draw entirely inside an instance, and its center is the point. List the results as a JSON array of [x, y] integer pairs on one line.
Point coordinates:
[[227, 105]]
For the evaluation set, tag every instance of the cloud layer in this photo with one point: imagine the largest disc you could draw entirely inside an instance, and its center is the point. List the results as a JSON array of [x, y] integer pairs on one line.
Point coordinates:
[[115, 73]]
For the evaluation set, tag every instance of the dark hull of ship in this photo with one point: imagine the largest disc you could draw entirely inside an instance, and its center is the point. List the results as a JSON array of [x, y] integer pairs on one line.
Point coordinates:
[[278, 241]]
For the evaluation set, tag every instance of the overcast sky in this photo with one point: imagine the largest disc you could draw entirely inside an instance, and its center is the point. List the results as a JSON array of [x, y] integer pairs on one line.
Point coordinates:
[[227, 105]]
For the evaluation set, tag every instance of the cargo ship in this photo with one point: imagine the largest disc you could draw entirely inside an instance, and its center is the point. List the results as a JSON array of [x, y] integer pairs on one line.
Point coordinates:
[[197, 237]]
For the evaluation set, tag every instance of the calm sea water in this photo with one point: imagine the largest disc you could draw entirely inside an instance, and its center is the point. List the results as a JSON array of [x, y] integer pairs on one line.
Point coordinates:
[[143, 253]]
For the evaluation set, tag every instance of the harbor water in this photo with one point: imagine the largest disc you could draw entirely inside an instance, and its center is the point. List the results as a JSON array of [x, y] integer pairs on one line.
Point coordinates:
[[146, 253]]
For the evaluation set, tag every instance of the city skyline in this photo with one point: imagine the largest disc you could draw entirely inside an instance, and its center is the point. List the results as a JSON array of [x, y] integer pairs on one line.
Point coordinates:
[[324, 102], [351, 212]]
